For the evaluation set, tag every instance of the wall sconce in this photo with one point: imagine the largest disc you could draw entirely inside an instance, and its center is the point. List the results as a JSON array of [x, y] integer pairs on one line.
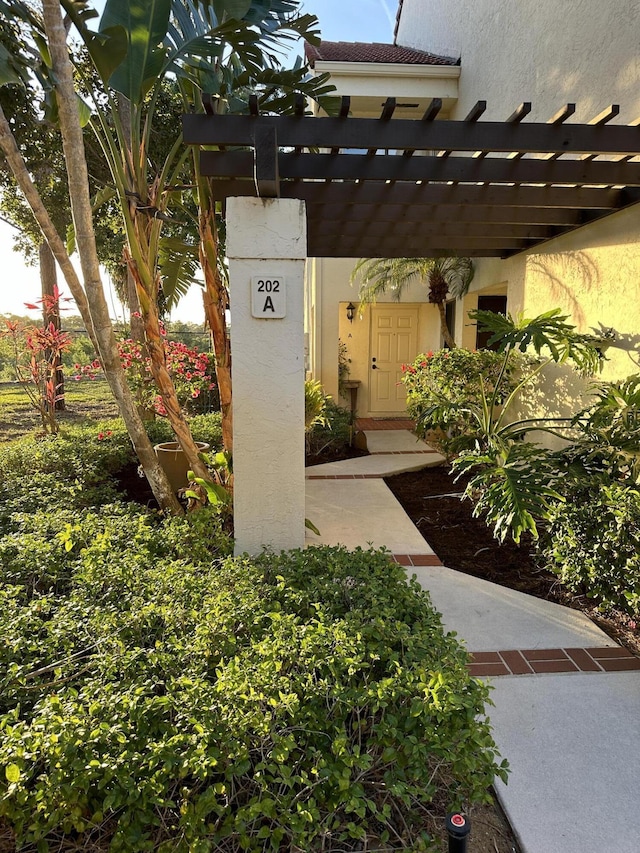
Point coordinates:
[[351, 310]]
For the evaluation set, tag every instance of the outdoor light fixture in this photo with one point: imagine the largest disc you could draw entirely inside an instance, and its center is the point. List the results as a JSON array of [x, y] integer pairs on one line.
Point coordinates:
[[351, 310]]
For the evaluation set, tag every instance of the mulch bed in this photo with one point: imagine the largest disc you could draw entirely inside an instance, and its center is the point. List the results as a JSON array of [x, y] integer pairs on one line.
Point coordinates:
[[431, 499]]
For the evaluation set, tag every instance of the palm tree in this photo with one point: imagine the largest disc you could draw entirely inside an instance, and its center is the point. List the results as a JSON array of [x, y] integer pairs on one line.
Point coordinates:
[[444, 276]]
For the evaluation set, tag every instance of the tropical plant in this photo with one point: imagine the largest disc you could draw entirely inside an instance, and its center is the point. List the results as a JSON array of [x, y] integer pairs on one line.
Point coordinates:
[[139, 48], [37, 352], [512, 480], [221, 50], [442, 385], [333, 433], [315, 404], [608, 441], [21, 65], [445, 277]]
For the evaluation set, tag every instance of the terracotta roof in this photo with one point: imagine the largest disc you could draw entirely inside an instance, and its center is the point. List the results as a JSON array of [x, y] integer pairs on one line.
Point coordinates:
[[345, 51]]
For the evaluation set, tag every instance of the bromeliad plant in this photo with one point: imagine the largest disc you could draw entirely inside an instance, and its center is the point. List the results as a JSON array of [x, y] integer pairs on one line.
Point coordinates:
[[514, 482]]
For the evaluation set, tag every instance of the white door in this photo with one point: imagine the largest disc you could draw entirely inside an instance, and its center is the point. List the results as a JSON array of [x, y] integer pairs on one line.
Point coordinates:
[[394, 342]]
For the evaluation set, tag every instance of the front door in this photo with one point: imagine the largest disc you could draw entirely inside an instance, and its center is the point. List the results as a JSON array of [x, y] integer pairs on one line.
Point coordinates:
[[394, 342]]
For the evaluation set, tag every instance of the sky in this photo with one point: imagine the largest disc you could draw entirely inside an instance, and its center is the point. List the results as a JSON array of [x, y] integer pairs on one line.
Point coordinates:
[[340, 20]]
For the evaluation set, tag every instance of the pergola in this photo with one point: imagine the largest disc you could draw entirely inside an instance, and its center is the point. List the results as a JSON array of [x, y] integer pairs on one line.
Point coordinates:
[[425, 188], [299, 186]]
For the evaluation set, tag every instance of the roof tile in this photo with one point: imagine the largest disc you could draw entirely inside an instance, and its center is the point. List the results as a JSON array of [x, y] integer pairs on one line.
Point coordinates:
[[345, 51]]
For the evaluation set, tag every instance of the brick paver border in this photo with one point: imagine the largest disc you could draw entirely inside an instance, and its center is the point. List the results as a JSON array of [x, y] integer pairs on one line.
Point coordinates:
[[400, 452], [541, 661], [409, 560]]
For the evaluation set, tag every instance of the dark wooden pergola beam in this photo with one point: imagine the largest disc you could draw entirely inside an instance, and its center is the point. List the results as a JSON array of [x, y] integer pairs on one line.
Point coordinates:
[[327, 227], [508, 186], [401, 134], [347, 192], [444, 213], [384, 167], [329, 248]]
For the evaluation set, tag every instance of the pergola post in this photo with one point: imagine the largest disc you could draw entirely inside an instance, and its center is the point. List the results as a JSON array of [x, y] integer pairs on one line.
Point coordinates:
[[267, 249]]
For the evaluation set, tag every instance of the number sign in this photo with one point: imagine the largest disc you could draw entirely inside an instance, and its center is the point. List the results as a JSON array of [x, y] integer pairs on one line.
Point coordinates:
[[268, 297]]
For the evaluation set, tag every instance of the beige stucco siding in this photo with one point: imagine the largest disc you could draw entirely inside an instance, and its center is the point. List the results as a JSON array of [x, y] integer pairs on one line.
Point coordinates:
[[593, 275], [546, 51]]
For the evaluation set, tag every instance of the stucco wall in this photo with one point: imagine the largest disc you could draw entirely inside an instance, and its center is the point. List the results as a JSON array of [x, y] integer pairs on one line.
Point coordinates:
[[593, 275], [549, 52]]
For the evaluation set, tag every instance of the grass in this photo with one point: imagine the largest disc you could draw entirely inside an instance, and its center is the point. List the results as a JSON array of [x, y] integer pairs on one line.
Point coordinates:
[[86, 401]]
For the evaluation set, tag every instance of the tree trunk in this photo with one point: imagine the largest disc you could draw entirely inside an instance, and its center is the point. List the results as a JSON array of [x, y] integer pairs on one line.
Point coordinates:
[[446, 334], [216, 303], [48, 283], [73, 146], [162, 377]]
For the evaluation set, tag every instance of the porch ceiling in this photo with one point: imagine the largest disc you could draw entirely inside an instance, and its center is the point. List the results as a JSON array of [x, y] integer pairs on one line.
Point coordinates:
[[425, 188]]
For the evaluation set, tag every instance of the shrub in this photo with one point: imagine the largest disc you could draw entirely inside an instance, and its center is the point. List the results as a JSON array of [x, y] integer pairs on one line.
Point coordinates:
[[442, 385], [593, 544], [79, 467], [334, 433], [315, 403], [305, 701]]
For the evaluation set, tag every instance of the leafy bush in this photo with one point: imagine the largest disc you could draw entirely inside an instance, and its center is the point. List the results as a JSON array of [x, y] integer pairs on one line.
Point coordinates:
[[334, 433], [305, 701], [192, 373], [204, 427], [593, 544], [443, 386], [79, 467], [315, 403]]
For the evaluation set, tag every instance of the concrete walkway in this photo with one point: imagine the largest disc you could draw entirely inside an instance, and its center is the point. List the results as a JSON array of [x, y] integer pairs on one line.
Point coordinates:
[[567, 698]]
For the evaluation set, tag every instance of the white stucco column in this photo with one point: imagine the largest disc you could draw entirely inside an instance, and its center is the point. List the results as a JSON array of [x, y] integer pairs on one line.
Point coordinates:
[[267, 248]]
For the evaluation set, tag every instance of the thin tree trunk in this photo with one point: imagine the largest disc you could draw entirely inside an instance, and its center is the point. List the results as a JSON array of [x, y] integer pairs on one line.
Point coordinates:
[[164, 382], [215, 299], [48, 284], [446, 334], [73, 146], [23, 179]]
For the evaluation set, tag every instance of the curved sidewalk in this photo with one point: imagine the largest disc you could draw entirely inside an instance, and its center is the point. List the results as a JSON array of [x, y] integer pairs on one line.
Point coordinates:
[[566, 695]]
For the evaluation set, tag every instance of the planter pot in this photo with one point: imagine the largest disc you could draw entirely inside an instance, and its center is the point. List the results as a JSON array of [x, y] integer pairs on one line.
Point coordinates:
[[174, 462]]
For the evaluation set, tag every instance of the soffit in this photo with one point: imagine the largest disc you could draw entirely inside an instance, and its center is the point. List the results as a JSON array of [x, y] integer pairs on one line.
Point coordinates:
[[394, 187]]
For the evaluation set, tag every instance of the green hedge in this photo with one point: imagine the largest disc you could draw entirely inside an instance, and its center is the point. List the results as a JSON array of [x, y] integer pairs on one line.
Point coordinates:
[[295, 702], [79, 467], [158, 694], [593, 544]]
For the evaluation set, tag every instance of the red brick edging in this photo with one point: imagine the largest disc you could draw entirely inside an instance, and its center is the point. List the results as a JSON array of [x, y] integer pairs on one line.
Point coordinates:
[[409, 560], [537, 661], [400, 452]]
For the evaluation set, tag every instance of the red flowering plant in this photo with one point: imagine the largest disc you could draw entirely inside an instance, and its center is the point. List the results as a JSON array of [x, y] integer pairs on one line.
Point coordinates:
[[192, 373], [37, 357], [37, 353]]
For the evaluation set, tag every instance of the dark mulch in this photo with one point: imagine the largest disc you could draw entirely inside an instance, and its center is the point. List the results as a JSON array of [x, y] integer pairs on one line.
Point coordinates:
[[466, 544]]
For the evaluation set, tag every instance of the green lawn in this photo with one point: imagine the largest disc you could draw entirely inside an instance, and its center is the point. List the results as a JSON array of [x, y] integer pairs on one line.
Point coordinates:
[[85, 401]]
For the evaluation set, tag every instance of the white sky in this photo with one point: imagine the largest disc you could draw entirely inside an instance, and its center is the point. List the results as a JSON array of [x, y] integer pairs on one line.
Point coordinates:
[[340, 20]]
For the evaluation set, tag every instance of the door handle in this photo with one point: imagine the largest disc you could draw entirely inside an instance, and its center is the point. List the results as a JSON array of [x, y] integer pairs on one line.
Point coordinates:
[[374, 367]]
